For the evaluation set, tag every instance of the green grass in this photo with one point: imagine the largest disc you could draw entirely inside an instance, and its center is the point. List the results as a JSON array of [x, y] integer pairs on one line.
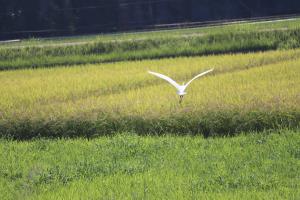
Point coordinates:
[[127, 166], [214, 42], [246, 92]]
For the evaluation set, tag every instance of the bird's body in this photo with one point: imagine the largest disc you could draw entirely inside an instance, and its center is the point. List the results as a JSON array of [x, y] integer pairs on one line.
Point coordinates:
[[180, 88]]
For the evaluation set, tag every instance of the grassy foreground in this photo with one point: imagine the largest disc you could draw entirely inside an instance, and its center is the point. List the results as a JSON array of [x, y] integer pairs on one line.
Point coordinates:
[[127, 166]]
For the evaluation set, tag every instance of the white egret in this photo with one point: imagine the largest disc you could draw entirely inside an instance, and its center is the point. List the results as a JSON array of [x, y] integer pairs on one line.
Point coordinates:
[[180, 88]]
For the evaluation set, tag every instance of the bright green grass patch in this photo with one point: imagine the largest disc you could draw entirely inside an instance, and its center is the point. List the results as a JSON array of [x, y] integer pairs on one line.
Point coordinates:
[[99, 52], [246, 92], [127, 166]]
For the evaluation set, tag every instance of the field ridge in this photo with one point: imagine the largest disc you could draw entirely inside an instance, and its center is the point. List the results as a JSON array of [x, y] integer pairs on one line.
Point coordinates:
[[100, 52]]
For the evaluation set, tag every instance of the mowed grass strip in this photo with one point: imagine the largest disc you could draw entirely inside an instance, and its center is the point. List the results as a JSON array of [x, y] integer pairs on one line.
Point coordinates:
[[127, 166], [246, 92]]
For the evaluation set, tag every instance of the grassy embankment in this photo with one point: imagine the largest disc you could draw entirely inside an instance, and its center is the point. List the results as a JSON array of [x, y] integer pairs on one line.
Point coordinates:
[[187, 42], [262, 26]]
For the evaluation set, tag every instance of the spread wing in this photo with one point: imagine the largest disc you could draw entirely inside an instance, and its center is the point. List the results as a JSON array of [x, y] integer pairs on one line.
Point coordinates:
[[171, 81], [202, 74]]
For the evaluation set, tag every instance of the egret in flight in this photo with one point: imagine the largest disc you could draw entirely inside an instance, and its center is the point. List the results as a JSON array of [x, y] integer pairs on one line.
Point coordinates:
[[180, 88]]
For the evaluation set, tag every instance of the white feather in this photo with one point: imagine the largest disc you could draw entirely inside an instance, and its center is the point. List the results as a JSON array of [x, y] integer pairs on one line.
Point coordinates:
[[176, 85], [180, 88], [202, 74]]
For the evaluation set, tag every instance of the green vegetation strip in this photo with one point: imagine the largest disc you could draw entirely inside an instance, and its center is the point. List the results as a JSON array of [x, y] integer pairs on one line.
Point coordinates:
[[137, 49], [182, 32], [126, 166], [246, 92]]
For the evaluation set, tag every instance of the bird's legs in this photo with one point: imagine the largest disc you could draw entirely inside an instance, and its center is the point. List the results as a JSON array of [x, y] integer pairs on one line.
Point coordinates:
[[181, 97]]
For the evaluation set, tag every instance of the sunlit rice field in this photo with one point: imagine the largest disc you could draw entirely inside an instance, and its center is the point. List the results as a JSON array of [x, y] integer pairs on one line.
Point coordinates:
[[107, 98]]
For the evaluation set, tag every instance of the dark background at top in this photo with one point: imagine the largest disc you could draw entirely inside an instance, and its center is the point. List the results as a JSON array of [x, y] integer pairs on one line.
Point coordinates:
[[34, 18]]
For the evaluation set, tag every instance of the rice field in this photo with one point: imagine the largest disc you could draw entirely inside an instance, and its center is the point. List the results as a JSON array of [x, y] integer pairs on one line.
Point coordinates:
[[102, 99]]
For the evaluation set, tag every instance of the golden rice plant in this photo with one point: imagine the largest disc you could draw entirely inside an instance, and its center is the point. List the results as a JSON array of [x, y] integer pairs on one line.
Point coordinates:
[[265, 82]]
